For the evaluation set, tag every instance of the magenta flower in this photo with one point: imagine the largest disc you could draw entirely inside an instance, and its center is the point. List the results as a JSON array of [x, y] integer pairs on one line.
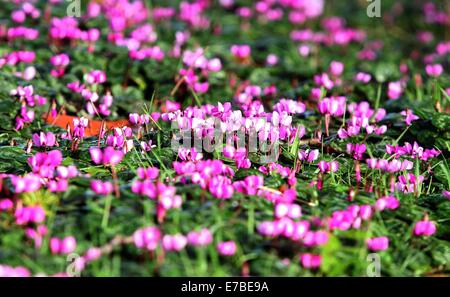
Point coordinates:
[[395, 90], [9, 271], [446, 194], [63, 246], [336, 68], [315, 238], [308, 155], [272, 59], [363, 77], [434, 70], [200, 238], [378, 243], [388, 202], [221, 187], [6, 204], [408, 183], [226, 248], [293, 211], [44, 139], [409, 116], [424, 228], [28, 183], [310, 261], [147, 173], [356, 150], [29, 214], [240, 51], [101, 188], [333, 106], [175, 242], [147, 238], [92, 254], [326, 167], [96, 77], [250, 185], [109, 156]]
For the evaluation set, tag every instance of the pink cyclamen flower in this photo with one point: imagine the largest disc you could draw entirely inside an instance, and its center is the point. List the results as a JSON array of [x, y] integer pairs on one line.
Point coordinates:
[[92, 254], [446, 194], [424, 228], [434, 70], [310, 261], [326, 167], [109, 156], [241, 51], [175, 242], [272, 59], [395, 90], [388, 202], [336, 68], [409, 116], [293, 211], [96, 77], [200, 238], [378, 243], [308, 155], [6, 204], [63, 246], [44, 139], [147, 238], [101, 188], [357, 150], [226, 248]]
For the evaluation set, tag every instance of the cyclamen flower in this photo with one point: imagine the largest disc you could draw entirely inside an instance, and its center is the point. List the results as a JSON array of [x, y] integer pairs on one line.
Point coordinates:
[[334, 106], [395, 90], [200, 238], [424, 228], [378, 243], [446, 194], [389, 202], [28, 183], [96, 77], [147, 238], [293, 211], [29, 214], [79, 126], [175, 242], [63, 246], [357, 150], [434, 70], [37, 235], [363, 77], [272, 59], [109, 156], [336, 68], [147, 173], [310, 261], [308, 155], [221, 187], [9, 271], [315, 238], [226, 248], [189, 154], [241, 51], [409, 116], [326, 167], [408, 183], [6, 204], [44, 139], [250, 185], [101, 188]]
